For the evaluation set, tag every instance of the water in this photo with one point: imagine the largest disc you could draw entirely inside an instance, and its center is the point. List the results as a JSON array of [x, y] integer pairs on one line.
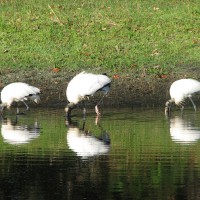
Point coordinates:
[[128, 154]]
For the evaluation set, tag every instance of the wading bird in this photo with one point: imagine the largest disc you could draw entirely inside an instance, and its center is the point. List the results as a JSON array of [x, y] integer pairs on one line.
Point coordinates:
[[84, 85], [15, 92], [180, 90]]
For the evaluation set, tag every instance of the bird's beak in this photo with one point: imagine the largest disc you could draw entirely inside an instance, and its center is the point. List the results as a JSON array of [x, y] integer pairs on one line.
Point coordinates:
[[167, 108], [68, 110]]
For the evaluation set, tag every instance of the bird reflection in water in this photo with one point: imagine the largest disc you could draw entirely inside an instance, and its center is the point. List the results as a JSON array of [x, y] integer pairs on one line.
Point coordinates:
[[183, 130], [14, 132], [84, 143]]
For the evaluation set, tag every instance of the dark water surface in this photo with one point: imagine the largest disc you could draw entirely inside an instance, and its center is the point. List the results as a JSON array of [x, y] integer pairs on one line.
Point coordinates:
[[129, 154]]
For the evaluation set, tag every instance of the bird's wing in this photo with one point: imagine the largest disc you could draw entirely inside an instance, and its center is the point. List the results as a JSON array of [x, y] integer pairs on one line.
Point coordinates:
[[21, 90], [85, 84], [182, 88], [192, 86], [96, 82]]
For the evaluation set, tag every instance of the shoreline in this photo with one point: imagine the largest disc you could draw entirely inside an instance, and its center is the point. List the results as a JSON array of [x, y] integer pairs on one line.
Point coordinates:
[[126, 89]]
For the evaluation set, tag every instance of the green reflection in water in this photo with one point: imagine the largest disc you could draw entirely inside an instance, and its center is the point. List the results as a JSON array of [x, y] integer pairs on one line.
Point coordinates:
[[145, 160]]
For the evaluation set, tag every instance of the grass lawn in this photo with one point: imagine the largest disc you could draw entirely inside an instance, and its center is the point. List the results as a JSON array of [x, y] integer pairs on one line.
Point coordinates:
[[116, 35]]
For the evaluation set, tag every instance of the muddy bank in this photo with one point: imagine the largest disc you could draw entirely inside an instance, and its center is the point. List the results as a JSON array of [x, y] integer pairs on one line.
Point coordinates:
[[126, 89]]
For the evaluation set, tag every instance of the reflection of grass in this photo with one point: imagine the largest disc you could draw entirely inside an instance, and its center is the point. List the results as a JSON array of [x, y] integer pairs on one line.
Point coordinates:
[[147, 141], [142, 156], [114, 34], [143, 138]]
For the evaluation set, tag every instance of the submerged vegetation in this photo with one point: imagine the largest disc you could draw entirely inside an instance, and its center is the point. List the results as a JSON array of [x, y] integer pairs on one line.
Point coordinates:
[[155, 36]]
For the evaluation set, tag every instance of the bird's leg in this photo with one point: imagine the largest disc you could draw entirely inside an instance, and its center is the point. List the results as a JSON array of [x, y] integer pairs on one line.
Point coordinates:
[[97, 119], [22, 113], [84, 111], [101, 99], [16, 119], [182, 108], [84, 114], [97, 110], [19, 113], [27, 107], [96, 107], [195, 108]]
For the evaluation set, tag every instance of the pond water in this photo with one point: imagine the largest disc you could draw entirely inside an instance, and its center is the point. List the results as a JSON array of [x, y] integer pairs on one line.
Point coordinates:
[[126, 154]]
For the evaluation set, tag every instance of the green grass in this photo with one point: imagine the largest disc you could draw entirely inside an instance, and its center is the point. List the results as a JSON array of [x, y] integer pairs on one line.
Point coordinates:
[[112, 34]]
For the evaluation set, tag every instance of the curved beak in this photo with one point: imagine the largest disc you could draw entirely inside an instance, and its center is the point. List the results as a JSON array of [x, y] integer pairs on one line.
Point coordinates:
[[167, 108], [68, 110], [68, 113]]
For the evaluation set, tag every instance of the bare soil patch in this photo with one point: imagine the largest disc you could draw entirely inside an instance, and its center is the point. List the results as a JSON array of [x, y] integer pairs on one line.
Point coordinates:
[[127, 89]]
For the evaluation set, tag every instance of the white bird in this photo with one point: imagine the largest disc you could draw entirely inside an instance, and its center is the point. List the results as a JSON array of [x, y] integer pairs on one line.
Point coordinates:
[[15, 92], [84, 85], [180, 90]]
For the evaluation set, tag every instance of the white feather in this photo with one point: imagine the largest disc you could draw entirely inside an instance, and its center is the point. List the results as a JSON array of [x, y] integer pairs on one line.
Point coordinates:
[[86, 84], [183, 88], [19, 91]]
